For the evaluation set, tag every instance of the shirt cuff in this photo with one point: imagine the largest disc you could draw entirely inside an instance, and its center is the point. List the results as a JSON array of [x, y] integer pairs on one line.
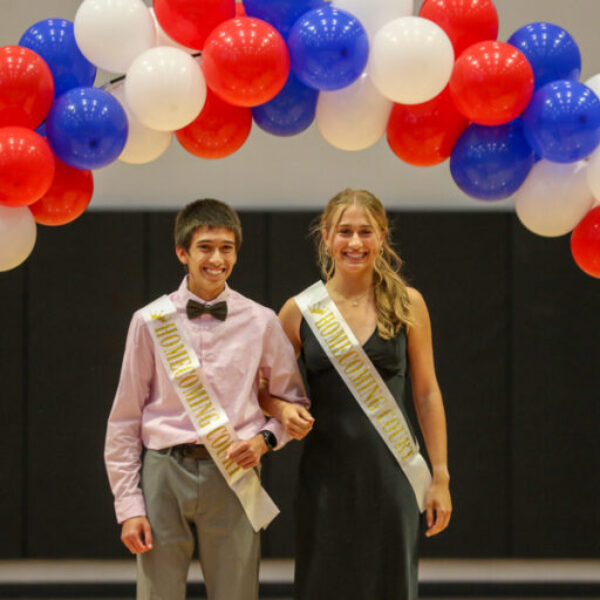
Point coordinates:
[[132, 506]]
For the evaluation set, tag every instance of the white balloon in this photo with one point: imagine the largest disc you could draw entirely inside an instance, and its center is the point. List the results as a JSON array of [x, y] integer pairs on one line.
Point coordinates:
[[165, 88], [411, 60], [112, 33], [162, 39], [554, 198], [593, 173], [143, 144], [374, 14], [18, 232], [594, 84], [355, 117]]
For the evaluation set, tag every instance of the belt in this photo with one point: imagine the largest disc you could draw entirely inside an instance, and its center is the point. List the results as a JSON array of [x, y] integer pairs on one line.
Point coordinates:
[[191, 451]]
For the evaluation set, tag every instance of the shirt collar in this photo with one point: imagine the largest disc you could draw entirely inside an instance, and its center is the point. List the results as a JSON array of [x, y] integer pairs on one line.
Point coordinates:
[[185, 293]]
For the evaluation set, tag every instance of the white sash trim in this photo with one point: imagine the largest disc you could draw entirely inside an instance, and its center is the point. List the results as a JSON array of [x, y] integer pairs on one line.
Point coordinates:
[[210, 420], [368, 388]]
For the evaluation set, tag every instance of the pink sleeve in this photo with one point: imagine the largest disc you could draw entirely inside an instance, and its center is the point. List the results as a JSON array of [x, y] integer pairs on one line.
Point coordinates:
[[280, 366], [123, 444]]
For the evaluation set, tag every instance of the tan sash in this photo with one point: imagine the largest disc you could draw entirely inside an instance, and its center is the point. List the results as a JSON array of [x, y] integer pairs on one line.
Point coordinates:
[[207, 415], [370, 391]]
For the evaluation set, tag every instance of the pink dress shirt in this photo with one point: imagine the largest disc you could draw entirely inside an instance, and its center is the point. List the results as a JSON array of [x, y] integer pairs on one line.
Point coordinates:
[[147, 411]]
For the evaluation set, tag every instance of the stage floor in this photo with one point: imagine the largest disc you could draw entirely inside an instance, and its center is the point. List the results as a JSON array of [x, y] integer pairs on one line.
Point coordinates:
[[439, 579]]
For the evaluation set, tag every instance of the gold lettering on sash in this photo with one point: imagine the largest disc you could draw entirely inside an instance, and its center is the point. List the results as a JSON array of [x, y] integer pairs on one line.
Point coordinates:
[[164, 329], [192, 395], [391, 424], [204, 410], [345, 346], [324, 320], [405, 448], [176, 362], [353, 366], [350, 354], [173, 353], [363, 377], [183, 370], [383, 414], [231, 467], [224, 438], [188, 380], [167, 328], [334, 336], [220, 443], [169, 340]]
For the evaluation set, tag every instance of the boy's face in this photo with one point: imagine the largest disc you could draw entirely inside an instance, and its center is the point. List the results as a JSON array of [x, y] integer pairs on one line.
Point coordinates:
[[210, 260]]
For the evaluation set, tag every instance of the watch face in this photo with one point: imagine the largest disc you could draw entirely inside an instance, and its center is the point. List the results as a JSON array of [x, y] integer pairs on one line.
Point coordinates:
[[270, 439]]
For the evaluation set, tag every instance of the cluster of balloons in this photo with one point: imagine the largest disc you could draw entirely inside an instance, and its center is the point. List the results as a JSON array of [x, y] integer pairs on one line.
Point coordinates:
[[511, 117]]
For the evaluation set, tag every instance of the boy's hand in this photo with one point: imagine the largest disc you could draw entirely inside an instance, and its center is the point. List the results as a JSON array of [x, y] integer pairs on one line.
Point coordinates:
[[297, 420], [247, 453], [136, 534]]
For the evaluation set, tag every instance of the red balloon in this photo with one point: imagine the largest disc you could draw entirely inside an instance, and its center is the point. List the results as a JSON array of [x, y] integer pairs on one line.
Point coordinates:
[[68, 197], [245, 61], [190, 21], [424, 134], [240, 11], [492, 83], [26, 87], [218, 131], [26, 166], [466, 22], [585, 243]]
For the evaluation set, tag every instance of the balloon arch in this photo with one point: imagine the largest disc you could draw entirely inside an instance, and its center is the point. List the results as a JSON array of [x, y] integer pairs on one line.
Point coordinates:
[[511, 117]]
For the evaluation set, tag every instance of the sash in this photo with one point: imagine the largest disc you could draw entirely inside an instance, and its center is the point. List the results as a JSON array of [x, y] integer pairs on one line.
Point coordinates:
[[369, 390], [200, 403]]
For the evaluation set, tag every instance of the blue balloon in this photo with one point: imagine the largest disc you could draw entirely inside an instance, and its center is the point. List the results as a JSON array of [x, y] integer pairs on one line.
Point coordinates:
[[41, 129], [54, 41], [491, 163], [282, 14], [562, 121], [551, 51], [87, 128], [328, 48], [290, 112]]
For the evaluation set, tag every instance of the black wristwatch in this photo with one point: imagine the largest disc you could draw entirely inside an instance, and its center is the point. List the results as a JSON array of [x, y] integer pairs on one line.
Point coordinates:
[[270, 439]]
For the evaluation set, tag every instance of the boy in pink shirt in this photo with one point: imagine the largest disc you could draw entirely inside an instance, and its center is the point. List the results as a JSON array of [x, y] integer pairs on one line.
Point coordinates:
[[188, 395]]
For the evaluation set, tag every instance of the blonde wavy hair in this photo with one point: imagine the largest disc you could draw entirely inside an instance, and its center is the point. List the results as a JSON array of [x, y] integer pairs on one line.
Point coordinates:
[[391, 293]]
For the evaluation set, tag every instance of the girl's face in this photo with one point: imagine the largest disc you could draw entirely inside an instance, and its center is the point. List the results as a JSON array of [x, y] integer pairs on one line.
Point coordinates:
[[354, 240]]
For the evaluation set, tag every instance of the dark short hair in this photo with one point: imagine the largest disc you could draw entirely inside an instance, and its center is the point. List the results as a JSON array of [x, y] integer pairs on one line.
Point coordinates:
[[210, 213]]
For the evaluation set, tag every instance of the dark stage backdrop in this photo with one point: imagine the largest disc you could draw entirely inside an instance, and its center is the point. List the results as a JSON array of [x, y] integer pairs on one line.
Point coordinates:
[[516, 333]]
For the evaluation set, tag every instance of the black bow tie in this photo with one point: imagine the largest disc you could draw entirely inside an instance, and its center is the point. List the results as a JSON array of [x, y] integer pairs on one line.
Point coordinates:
[[194, 309]]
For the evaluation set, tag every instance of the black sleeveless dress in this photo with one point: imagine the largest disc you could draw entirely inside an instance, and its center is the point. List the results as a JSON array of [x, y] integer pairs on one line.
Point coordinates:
[[357, 517]]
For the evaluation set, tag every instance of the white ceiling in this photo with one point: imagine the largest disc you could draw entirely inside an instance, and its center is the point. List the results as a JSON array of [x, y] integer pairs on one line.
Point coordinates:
[[304, 171]]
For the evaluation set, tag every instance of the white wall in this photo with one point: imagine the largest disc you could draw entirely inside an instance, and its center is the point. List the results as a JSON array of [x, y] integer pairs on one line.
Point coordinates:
[[303, 171]]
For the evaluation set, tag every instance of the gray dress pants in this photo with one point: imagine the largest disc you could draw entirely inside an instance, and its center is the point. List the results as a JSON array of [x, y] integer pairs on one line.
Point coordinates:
[[187, 499]]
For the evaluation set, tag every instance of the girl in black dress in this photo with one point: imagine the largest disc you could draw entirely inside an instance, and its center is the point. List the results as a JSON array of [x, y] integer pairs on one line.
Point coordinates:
[[357, 515]]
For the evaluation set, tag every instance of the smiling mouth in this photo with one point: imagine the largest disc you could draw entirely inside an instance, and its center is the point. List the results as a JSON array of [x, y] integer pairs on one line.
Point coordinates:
[[355, 255], [214, 272]]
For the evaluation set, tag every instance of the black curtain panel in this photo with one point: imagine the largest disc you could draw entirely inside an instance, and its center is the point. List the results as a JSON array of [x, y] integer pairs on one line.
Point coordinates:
[[515, 326]]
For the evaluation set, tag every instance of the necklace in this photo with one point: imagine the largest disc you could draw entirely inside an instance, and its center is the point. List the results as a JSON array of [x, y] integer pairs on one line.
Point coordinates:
[[353, 301]]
